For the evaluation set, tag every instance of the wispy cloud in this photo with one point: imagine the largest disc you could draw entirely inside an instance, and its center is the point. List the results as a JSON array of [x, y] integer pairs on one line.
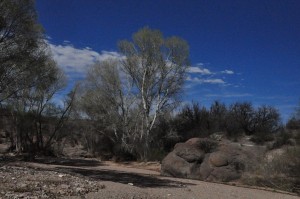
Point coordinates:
[[76, 61], [207, 80], [200, 70], [228, 72]]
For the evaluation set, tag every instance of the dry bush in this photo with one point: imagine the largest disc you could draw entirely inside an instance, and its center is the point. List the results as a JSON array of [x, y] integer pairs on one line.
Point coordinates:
[[278, 171], [208, 145]]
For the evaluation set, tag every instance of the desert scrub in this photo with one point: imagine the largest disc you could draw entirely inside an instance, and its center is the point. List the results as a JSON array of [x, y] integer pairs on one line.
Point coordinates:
[[208, 145], [280, 171]]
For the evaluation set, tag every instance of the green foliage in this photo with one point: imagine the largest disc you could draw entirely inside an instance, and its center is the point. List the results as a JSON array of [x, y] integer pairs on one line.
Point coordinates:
[[22, 48], [126, 97], [29, 79]]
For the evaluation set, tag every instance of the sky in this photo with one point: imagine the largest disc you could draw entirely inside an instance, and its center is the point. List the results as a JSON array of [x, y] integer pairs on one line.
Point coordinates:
[[240, 50]]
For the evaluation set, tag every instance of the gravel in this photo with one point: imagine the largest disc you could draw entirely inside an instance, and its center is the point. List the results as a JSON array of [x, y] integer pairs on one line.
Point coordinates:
[[23, 182], [112, 181]]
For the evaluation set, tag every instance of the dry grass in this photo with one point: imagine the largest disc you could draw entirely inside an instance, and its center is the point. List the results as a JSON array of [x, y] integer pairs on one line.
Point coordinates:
[[280, 171]]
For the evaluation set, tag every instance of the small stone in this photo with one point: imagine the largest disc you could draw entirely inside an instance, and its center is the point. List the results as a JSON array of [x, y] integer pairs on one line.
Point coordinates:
[[80, 190], [131, 184], [65, 186]]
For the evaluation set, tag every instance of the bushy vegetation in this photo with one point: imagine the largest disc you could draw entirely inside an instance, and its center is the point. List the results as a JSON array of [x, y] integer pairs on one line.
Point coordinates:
[[234, 120], [29, 81], [124, 108], [278, 171]]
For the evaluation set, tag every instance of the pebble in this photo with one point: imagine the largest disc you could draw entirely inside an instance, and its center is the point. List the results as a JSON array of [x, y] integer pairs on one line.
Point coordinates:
[[44, 184]]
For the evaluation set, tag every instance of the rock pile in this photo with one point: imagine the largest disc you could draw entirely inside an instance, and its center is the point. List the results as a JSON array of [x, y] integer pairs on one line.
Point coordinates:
[[206, 159]]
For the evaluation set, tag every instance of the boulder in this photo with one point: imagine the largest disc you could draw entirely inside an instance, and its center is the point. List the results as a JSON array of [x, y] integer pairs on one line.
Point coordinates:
[[188, 152], [219, 159], [206, 159], [175, 166]]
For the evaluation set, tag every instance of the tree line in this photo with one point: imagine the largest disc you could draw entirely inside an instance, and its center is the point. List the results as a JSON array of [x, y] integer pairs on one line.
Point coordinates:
[[124, 107]]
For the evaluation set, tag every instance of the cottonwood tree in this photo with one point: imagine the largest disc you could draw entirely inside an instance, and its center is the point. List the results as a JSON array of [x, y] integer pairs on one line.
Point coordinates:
[[36, 116], [21, 47], [157, 67], [134, 91], [106, 98], [29, 78]]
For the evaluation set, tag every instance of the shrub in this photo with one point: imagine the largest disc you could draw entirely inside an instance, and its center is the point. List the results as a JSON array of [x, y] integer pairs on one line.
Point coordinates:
[[261, 138], [280, 172], [192, 121], [293, 124], [208, 145], [283, 138]]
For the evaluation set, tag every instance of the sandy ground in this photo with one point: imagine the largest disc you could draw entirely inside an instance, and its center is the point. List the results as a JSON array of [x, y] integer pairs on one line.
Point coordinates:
[[142, 180]]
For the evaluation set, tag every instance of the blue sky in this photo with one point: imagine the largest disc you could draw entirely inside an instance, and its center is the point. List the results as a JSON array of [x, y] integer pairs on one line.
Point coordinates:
[[246, 50]]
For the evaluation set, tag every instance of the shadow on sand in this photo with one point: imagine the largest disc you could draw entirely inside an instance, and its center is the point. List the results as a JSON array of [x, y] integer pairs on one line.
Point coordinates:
[[139, 180], [50, 161], [68, 162]]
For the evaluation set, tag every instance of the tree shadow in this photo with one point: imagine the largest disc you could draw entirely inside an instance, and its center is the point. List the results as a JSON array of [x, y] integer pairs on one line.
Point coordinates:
[[138, 180], [68, 162]]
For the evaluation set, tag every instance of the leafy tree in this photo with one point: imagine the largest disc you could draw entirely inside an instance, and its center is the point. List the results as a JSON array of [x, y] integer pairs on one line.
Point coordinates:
[[22, 48], [107, 100], [29, 78], [37, 118], [128, 96], [157, 67]]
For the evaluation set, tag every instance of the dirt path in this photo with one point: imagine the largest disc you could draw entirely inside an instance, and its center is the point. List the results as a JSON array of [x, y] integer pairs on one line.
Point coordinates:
[[127, 181]]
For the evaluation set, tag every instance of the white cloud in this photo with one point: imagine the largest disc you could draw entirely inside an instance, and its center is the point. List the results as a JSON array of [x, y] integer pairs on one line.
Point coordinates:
[[228, 72], [200, 64], [76, 60], [214, 81], [203, 71], [207, 81]]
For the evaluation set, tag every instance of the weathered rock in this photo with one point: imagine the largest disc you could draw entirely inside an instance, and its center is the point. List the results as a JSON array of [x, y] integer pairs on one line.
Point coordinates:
[[219, 159], [203, 159], [224, 174], [173, 165], [188, 152]]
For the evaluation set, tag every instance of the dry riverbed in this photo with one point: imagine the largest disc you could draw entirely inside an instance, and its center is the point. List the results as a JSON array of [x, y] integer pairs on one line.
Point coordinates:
[[87, 178]]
